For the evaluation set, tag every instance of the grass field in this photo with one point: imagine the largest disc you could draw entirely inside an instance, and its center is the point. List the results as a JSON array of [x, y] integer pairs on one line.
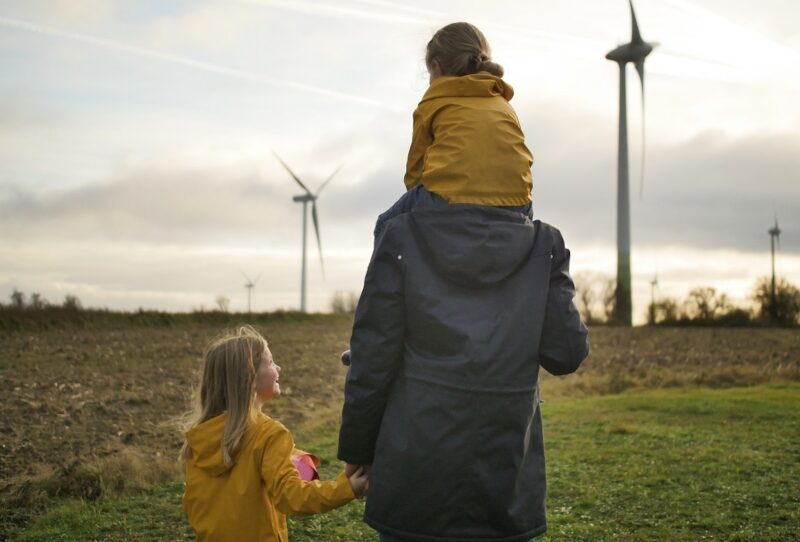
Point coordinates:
[[663, 433], [659, 465]]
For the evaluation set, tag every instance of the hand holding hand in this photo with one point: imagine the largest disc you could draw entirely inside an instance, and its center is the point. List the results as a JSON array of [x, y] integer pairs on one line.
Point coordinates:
[[358, 475], [350, 468]]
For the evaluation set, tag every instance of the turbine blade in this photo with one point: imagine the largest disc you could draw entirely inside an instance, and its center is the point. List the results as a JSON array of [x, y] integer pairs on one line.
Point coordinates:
[[316, 230], [295, 177], [328, 180], [245, 277], [640, 70], [256, 281], [636, 37]]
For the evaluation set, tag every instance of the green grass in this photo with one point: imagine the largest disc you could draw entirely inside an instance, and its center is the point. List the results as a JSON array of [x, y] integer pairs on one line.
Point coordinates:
[[677, 465], [673, 464]]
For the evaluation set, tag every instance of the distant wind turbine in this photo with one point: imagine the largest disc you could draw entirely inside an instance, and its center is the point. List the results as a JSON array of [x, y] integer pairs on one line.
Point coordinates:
[[774, 235], [653, 286], [635, 52], [249, 285], [305, 199]]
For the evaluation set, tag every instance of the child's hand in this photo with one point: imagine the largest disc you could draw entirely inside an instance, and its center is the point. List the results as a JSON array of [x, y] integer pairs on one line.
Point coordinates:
[[359, 480]]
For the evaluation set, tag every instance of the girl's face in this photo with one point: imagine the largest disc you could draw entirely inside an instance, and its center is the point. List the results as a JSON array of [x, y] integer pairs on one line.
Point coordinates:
[[267, 375]]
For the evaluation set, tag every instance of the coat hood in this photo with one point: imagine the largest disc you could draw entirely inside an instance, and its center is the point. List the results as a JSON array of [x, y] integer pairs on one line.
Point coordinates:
[[205, 441], [477, 85], [479, 246]]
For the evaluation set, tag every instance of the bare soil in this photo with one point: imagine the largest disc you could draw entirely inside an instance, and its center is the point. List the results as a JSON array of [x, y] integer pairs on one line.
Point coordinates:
[[78, 397]]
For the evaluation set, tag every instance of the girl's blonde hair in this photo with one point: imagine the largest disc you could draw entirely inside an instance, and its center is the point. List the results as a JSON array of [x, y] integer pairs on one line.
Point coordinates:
[[227, 385], [461, 49]]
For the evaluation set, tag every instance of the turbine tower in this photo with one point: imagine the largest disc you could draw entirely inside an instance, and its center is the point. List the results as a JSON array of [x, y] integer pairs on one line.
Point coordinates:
[[249, 285], [774, 235], [635, 52], [305, 199]]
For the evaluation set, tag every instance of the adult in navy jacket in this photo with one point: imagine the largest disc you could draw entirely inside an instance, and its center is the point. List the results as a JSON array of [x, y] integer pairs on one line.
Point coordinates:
[[461, 306]]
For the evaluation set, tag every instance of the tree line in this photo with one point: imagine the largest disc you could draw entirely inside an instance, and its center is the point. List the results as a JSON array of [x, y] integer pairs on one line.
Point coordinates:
[[595, 295], [37, 301], [703, 305]]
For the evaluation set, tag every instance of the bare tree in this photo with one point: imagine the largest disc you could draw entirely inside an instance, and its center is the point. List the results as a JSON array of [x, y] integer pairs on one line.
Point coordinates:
[[17, 299], [704, 303], [223, 303], [344, 302], [594, 296], [38, 302], [786, 308], [71, 302], [663, 311], [585, 296]]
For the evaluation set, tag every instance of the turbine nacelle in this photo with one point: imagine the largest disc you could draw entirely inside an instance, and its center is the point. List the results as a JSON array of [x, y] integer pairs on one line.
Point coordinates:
[[631, 52], [776, 231]]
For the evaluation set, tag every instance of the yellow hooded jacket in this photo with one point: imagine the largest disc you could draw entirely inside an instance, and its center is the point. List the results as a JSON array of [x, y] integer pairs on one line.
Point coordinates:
[[249, 500], [467, 145]]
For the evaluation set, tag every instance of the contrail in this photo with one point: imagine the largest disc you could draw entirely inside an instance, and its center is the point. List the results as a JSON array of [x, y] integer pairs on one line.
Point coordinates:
[[579, 46], [191, 63], [337, 11], [520, 31], [413, 16]]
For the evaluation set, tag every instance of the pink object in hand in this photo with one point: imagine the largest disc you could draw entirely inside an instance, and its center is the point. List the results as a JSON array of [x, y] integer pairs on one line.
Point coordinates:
[[306, 465]]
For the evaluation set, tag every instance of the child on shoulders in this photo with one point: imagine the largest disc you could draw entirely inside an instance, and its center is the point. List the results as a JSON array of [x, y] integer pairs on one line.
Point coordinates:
[[467, 145]]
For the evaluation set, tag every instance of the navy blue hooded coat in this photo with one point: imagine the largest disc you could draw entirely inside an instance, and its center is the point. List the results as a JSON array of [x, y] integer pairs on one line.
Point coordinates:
[[461, 306]]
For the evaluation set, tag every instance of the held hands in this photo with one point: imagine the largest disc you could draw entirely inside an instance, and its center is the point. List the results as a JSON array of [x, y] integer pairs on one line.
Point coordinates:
[[358, 475]]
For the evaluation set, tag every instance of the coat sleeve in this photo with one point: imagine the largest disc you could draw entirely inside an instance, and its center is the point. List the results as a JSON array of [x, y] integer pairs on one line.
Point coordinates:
[[421, 139], [564, 344], [376, 350], [291, 494]]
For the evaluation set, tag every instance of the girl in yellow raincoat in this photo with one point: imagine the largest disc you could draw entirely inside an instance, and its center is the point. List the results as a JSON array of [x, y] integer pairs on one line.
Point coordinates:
[[467, 146], [240, 479]]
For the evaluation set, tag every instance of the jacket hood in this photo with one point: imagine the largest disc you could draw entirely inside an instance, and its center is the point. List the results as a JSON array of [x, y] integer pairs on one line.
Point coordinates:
[[205, 440], [477, 85], [474, 245]]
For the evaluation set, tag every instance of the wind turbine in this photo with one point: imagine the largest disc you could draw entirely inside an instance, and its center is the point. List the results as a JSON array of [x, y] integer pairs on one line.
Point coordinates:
[[774, 235], [249, 285], [653, 286], [635, 52], [305, 199]]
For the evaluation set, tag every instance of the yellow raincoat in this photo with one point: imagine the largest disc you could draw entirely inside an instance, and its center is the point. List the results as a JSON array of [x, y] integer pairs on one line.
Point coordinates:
[[249, 500], [467, 145]]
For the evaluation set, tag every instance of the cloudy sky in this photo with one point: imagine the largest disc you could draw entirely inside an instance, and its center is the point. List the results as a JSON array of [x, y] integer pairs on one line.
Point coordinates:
[[137, 139]]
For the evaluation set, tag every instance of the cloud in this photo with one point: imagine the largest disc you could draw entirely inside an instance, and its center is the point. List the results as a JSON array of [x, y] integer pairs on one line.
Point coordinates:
[[148, 205], [711, 190]]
